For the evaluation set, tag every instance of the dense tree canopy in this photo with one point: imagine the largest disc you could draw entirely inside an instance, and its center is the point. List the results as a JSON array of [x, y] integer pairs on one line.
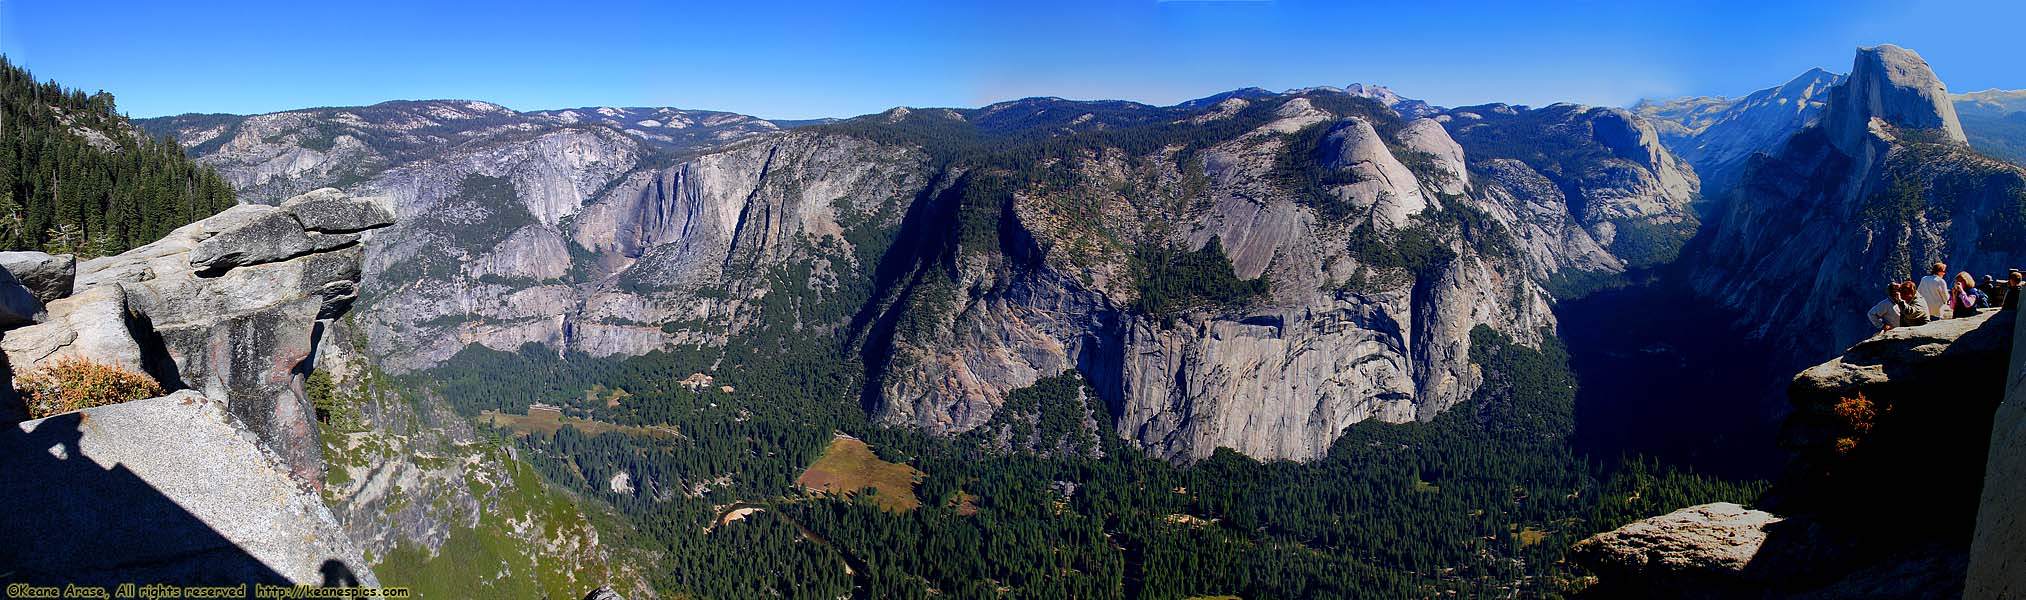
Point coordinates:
[[76, 177], [1484, 500]]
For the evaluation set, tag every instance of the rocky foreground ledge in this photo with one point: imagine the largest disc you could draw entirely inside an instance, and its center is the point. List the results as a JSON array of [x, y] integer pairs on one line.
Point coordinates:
[[168, 489], [1890, 441], [218, 481]]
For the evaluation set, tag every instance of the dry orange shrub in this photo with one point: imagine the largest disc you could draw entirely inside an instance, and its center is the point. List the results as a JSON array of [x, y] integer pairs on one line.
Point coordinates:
[[70, 384], [1858, 414]]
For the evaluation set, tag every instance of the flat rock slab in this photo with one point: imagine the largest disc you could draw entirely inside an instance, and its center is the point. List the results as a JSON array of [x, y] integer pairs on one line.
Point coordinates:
[[170, 489], [331, 211], [1716, 539]]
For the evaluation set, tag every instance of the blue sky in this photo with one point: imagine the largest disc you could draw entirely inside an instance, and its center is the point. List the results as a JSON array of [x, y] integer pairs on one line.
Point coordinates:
[[810, 59]]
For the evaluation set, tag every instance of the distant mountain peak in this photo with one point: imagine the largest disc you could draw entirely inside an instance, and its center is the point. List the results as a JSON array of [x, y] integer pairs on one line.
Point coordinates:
[[1376, 92], [1808, 84], [1214, 99], [1407, 107], [1717, 134], [1894, 85]]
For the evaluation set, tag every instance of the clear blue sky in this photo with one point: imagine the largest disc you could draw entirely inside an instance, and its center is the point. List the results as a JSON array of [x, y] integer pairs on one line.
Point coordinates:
[[797, 60]]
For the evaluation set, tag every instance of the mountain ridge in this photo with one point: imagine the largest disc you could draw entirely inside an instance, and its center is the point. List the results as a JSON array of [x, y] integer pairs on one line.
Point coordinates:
[[586, 192]]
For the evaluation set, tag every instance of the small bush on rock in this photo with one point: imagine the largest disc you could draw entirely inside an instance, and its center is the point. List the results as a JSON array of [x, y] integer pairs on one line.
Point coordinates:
[[71, 384], [1858, 414]]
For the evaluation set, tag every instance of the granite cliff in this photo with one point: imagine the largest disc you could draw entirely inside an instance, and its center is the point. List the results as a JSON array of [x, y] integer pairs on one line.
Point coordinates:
[[579, 234], [1998, 548]]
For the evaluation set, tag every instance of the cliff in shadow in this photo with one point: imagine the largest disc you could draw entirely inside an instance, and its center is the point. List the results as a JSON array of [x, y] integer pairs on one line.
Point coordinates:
[[1880, 501]]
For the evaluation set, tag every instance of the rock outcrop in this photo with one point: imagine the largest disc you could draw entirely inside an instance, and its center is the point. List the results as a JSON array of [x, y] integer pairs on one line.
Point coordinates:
[[219, 481], [1601, 169], [1710, 545], [1724, 551], [90, 325], [1451, 173], [1382, 185], [18, 304], [48, 277], [29, 281], [230, 306], [171, 489], [1897, 421]]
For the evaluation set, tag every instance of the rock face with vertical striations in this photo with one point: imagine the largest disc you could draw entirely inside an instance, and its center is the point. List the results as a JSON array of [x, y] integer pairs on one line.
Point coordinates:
[[1340, 336], [1895, 86]]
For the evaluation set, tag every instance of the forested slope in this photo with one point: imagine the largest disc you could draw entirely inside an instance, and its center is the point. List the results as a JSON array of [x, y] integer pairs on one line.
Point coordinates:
[[76, 177]]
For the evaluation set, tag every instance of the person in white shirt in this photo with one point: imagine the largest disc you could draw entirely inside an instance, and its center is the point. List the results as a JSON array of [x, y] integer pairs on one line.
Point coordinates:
[[1885, 314], [1934, 291]]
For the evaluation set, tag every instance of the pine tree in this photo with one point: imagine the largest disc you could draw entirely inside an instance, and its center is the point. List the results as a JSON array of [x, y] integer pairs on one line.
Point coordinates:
[[102, 244], [63, 239]]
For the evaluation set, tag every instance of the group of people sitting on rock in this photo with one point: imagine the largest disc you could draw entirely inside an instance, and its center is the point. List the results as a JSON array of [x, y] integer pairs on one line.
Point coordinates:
[[1908, 304]]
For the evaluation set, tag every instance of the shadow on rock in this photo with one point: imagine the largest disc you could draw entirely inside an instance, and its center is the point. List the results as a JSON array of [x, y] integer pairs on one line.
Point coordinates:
[[68, 520]]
